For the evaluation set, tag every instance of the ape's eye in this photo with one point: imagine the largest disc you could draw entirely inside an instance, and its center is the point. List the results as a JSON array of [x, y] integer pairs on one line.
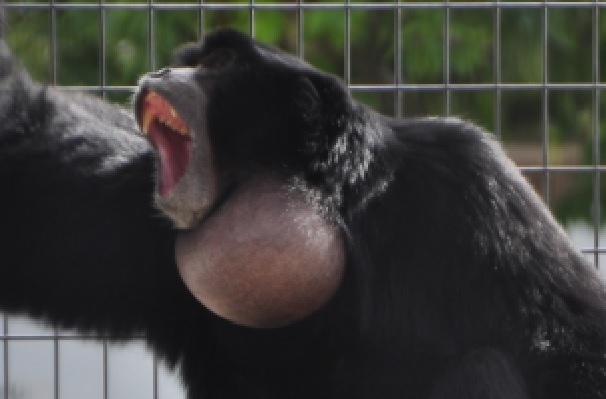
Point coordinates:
[[218, 59]]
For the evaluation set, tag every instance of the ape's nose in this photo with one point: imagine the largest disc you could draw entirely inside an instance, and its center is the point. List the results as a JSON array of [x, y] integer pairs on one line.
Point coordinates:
[[158, 74]]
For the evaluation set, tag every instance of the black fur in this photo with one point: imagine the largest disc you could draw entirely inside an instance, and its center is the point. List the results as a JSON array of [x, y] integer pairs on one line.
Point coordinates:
[[459, 284]]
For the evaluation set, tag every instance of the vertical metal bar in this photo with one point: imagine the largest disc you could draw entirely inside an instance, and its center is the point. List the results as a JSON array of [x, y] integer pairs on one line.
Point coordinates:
[[56, 363], [398, 75], [596, 135], [5, 360], [545, 102], [497, 71], [105, 370], [300, 30], [201, 20], [103, 53], [102, 48], [54, 80], [151, 35], [347, 52], [545, 56], [53, 41], [447, 57], [155, 375], [251, 4]]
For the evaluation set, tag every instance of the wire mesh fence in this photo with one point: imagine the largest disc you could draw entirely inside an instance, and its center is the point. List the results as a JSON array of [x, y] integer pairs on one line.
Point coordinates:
[[532, 72]]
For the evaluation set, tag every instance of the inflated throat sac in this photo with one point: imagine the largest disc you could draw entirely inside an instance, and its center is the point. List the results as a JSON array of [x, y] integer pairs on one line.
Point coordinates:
[[266, 258]]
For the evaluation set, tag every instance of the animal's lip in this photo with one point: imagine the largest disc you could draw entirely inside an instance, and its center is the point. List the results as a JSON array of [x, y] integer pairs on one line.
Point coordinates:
[[168, 133]]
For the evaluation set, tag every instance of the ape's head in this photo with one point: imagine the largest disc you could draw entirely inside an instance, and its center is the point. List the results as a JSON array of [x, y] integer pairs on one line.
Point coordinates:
[[247, 140]]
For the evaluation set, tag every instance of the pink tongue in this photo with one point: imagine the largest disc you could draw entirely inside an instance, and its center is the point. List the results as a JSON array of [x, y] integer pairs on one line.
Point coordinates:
[[174, 150]]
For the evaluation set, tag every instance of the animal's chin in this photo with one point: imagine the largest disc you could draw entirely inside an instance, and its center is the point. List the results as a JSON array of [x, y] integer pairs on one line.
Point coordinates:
[[170, 136]]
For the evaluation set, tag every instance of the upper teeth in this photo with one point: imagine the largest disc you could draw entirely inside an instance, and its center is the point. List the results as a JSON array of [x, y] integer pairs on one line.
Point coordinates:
[[152, 112], [148, 117]]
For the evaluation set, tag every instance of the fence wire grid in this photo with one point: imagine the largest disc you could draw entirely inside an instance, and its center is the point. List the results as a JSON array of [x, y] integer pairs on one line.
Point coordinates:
[[532, 72]]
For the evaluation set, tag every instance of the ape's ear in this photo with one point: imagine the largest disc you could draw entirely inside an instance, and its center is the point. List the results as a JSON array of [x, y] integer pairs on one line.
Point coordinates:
[[308, 101]]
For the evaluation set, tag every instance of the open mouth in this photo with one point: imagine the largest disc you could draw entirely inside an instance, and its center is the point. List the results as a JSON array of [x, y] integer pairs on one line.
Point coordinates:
[[169, 134]]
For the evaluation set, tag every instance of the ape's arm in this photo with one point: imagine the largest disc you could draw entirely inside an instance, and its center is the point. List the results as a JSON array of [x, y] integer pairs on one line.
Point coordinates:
[[80, 242]]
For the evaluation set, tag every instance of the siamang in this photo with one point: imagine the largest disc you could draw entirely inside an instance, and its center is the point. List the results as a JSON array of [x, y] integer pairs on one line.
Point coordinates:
[[277, 239]]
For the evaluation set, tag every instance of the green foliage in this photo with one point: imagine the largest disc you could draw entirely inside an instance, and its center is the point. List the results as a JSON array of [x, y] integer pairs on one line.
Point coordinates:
[[472, 58]]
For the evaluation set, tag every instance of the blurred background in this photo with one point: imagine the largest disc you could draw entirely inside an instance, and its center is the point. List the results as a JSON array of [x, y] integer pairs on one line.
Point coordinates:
[[530, 72]]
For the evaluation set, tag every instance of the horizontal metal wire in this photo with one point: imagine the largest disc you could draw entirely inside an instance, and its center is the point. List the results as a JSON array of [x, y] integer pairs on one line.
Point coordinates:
[[409, 87], [478, 86], [563, 169], [59, 336], [368, 6]]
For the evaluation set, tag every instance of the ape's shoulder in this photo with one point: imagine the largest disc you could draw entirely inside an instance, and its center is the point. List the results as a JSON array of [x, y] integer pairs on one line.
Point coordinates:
[[443, 152], [443, 136]]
